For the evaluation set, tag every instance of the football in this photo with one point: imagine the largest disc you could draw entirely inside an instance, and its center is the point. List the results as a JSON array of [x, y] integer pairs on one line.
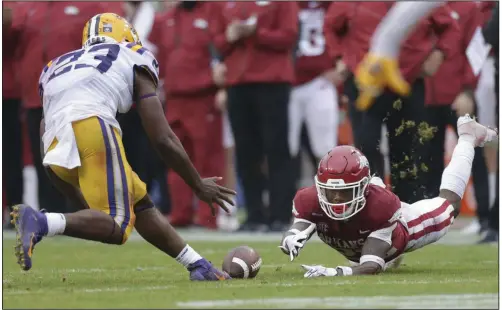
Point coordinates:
[[242, 262]]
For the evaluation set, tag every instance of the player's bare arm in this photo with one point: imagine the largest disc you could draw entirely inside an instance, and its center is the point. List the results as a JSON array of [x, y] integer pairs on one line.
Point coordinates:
[[170, 147], [372, 258], [372, 262], [295, 238]]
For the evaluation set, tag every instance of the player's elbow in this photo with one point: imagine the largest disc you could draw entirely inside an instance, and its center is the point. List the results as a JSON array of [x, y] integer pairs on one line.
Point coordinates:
[[368, 268]]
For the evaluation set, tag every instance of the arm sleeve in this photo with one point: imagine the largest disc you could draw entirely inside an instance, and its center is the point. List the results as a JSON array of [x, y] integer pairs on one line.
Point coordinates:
[[283, 37], [397, 24], [335, 27]]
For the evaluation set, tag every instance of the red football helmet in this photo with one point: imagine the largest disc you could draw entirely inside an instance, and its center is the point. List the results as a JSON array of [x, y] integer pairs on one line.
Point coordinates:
[[342, 179]]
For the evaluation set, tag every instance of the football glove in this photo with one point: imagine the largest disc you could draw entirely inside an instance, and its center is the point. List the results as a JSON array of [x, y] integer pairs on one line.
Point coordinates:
[[321, 271], [318, 271], [293, 243], [373, 75]]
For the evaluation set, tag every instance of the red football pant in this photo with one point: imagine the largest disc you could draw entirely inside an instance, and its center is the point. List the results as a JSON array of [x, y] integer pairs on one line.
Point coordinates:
[[198, 125]]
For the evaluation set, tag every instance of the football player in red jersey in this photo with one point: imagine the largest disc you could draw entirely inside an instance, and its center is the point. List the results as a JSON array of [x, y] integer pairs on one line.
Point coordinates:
[[355, 214], [314, 99]]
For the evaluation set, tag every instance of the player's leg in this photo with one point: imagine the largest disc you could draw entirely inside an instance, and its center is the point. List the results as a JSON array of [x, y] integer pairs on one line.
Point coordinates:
[[104, 185], [86, 223], [456, 174], [429, 220], [105, 181], [322, 116], [32, 225], [155, 229]]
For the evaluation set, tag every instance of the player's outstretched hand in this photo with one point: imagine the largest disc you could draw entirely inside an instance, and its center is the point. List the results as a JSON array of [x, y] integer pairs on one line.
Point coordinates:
[[212, 193], [318, 271]]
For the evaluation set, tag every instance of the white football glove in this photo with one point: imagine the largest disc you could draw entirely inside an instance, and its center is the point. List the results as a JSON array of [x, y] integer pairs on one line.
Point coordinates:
[[292, 244], [318, 271]]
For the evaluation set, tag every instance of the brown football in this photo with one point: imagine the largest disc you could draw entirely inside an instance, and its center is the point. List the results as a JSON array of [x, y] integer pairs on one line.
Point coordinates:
[[242, 262]]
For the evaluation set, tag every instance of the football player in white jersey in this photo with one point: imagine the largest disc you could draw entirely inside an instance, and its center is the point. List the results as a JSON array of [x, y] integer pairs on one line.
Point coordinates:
[[82, 149]]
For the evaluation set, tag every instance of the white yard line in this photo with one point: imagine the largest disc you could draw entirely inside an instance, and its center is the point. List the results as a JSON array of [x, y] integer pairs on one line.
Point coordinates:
[[238, 284], [398, 302]]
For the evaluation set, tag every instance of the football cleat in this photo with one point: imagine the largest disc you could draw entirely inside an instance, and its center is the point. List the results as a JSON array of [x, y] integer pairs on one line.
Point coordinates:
[[31, 226], [466, 125], [202, 270]]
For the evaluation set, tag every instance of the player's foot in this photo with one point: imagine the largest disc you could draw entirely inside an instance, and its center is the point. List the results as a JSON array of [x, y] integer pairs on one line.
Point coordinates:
[[480, 134], [31, 226], [202, 270]]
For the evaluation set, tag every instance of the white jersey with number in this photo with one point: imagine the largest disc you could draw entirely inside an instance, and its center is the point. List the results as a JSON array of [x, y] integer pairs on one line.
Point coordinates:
[[96, 81]]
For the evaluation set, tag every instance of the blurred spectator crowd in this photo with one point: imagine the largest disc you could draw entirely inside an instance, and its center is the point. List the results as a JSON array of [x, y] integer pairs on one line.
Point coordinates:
[[258, 91]]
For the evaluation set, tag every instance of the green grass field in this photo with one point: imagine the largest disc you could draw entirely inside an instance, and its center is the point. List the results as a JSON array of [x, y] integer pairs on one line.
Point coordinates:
[[69, 273]]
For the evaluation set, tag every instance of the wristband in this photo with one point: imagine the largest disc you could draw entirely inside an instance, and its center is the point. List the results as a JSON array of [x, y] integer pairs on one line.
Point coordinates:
[[343, 271], [148, 96]]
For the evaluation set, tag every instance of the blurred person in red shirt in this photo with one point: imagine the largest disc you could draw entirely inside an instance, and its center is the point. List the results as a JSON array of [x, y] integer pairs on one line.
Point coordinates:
[[314, 101], [349, 27], [11, 122], [39, 32], [257, 42], [186, 56], [450, 93]]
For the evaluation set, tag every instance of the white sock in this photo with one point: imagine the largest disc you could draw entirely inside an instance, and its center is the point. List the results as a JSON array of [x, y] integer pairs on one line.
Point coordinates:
[[56, 223], [187, 256], [456, 174]]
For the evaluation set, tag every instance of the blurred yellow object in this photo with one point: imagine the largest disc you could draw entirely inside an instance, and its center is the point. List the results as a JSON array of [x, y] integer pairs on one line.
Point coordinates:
[[373, 75]]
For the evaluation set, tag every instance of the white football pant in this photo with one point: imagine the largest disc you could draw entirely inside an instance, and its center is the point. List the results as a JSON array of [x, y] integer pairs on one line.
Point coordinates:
[[316, 104]]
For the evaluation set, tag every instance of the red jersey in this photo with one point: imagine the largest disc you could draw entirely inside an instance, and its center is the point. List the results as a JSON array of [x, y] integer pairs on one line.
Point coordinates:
[[380, 218], [266, 56], [312, 54], [184, 49]]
